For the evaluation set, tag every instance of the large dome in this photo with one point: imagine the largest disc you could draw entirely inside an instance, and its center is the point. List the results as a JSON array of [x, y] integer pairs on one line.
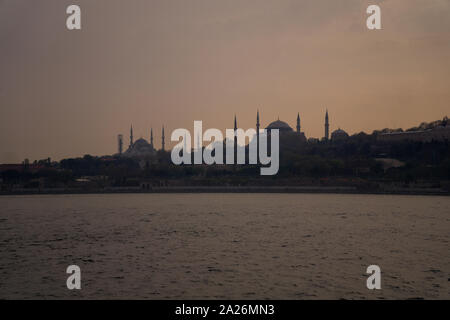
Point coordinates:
[[280, 125], [139, 148], [339, 134], [139, 143]]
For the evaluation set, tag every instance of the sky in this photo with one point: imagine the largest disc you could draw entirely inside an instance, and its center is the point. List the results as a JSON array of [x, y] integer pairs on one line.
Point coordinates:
[[169, 62]]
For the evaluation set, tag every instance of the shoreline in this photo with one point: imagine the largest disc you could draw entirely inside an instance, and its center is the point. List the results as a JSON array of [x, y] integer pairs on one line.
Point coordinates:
[[215, 189]]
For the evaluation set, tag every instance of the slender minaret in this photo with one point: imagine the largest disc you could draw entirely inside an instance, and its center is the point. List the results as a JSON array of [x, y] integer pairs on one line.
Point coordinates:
[[298, 123], [151, 137], [327, 126], [162, 140], [131, 136], [120, 143], [257, 136], [257, 121], [235, 140]]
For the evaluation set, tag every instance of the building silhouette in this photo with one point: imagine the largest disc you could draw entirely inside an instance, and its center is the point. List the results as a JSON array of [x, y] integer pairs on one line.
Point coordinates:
[[142, 148], [438, 130]]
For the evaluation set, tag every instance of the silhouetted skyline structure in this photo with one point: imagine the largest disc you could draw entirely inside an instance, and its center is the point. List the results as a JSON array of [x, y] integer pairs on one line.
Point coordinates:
[[438, 130], [277, 124]]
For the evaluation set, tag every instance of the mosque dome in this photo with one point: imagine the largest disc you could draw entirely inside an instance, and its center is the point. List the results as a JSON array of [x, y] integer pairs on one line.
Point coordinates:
[[280, 125], [141, 142], [139, 148], [339, 134]]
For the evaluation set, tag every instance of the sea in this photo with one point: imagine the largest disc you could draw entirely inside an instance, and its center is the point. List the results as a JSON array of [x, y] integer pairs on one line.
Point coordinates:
[[224, 246]]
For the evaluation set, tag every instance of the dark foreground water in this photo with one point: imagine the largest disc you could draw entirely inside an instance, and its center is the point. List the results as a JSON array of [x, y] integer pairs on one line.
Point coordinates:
[[237, 246]]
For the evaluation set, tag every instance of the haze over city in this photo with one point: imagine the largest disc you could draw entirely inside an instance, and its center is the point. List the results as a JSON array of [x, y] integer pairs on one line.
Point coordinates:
[[152, 63], [310, 161]]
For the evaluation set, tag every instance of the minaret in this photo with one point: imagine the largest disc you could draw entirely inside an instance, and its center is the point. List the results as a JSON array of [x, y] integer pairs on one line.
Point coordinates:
[[235, 140], [257, 136], [162, 139], [327, 126], [120, 143], [257, 121], [151, 137], [298, 122], [131, 136]]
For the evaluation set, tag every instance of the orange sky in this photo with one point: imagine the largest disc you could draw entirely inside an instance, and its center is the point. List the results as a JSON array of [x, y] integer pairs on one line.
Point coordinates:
[[69, 93]]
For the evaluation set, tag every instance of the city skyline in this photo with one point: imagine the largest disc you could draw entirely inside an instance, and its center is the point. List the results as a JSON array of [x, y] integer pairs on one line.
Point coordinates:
[[68, 93], [224, 157]]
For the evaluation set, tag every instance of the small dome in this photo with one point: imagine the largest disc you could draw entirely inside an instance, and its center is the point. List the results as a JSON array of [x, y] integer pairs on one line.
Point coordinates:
[[280, 125]]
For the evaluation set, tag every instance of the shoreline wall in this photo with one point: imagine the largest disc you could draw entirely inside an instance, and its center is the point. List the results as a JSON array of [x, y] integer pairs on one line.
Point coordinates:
[[243, 189]]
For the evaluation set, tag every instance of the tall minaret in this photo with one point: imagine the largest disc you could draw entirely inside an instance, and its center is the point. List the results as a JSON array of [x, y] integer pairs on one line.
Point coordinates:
[[298, 122], [257, 122], [151, 137], [235, 140], [257, 136], [327, 126], [120, 143], [162, 140], [131, 136]]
